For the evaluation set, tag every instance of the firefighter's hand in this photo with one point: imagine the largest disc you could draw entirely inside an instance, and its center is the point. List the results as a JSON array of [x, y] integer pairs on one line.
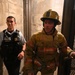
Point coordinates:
[[20, 55], [72, 54]]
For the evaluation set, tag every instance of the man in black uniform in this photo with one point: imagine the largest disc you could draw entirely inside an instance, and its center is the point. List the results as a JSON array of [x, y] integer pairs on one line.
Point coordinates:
[[12, 45]]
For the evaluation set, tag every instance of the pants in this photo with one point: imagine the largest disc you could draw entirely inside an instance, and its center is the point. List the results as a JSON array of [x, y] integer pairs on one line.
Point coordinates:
[[29, 72], [48, 74], [32, 69], [12, 66]]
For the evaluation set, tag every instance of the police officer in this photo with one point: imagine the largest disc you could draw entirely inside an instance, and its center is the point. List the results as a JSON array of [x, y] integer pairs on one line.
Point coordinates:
[[42, 51], [13, 45]]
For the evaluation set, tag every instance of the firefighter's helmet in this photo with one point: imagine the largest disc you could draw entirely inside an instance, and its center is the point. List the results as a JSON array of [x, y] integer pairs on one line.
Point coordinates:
[[52, 15]]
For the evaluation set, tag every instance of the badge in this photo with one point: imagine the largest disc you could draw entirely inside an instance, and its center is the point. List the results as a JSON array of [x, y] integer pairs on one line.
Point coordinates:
[[16, 39]]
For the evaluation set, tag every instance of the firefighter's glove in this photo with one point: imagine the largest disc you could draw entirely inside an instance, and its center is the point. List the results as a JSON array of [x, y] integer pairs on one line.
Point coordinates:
[[72, 54]]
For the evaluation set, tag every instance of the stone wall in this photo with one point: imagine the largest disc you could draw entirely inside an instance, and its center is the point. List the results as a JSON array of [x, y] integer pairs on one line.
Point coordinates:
[[14, 8], [38, 7]]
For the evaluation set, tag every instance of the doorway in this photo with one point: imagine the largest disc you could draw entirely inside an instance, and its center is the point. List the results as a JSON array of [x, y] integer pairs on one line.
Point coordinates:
[[68, 29]]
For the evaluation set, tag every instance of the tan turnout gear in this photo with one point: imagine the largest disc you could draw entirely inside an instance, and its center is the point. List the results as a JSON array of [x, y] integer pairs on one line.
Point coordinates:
[[52, 15], [43, 50], [46, 57]]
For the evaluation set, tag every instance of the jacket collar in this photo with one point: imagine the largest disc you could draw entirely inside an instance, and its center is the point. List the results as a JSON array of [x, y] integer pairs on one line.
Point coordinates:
[[53, 34]]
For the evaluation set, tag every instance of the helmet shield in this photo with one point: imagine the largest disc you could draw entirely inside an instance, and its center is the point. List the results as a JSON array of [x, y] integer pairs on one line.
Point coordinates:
[[51, 15]]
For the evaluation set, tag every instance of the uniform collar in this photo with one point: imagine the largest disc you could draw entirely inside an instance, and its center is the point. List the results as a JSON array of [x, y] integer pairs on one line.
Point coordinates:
[[10, 32], [53, 34]]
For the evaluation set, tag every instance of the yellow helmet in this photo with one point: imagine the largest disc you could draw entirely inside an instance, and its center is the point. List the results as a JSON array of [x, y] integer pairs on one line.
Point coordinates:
[[52, 15]]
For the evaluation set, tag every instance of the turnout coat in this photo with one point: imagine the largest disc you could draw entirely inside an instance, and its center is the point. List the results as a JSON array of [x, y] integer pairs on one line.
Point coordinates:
[[43, 51]]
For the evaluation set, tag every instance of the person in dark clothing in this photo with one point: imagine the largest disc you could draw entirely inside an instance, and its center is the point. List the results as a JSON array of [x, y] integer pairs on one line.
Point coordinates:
[[13, 45]]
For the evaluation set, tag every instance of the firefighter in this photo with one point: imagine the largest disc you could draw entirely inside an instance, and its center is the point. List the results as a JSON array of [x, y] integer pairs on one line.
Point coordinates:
[[12, 44], [43, 49]]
